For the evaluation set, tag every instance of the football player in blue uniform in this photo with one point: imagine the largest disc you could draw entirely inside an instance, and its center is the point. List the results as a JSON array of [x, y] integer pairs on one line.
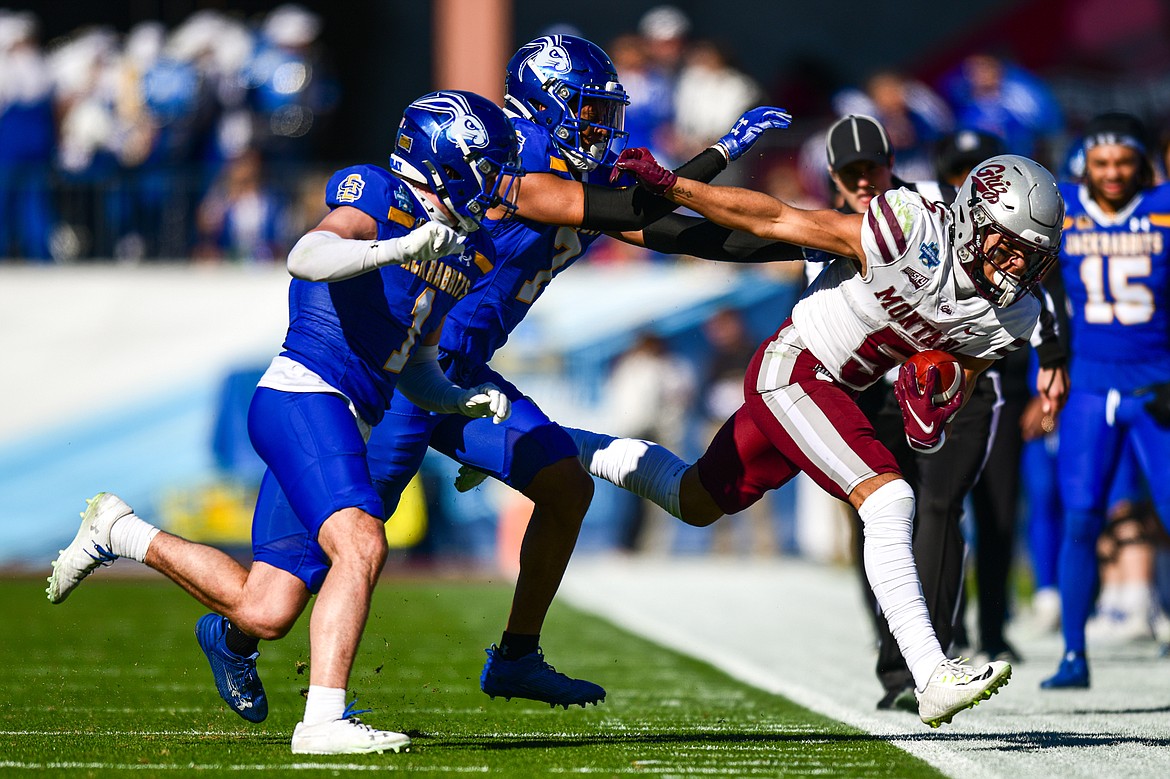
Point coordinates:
[[1115, 263], [372, 284], [566, 104]]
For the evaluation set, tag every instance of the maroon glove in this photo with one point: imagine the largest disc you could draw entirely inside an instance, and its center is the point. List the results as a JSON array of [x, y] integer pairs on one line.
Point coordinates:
[[641, 163], [922, 419]]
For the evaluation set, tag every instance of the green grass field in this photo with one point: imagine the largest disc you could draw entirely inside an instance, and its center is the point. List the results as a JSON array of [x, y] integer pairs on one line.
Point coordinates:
[[112, 683]]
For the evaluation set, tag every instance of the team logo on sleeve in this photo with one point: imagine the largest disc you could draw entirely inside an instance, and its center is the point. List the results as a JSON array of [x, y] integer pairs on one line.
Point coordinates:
[[460, 125], [349, 190]]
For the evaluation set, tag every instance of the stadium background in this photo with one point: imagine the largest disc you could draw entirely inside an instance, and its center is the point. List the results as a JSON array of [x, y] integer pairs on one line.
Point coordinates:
[[130, 376]]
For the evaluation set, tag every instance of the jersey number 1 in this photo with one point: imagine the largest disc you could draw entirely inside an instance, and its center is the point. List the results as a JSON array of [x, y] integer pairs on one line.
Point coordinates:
[[422, 310]]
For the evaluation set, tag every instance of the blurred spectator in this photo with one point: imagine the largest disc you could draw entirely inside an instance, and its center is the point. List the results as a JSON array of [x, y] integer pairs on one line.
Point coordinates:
[[665, 29], [291, 88], [989, 94], [27, 139], [662, 43], [241, 219], [957, 153], [651, 109], [709, 96], [914, 116], [651, 393], [721, 394]]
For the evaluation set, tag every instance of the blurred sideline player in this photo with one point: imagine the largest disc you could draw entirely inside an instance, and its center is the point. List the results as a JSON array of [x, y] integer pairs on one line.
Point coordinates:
[[895, 289], [1115, 263], [566, 104], [372, 283]]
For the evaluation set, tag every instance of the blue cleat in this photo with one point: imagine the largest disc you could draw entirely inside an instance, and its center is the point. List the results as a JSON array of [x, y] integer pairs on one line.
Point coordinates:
[[1073, 674], [531, 677], [235, 676]]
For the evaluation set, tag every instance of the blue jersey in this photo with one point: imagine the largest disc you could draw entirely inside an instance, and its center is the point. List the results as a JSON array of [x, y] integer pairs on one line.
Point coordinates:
[[357, 334], [1116, 271], [530, 255]]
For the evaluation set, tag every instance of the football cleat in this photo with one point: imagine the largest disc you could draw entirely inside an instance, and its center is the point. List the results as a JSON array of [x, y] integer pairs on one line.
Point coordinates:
[[90, 548], [532, 678], [346, 736], [955, 686], [236, 678], [1072, 674]]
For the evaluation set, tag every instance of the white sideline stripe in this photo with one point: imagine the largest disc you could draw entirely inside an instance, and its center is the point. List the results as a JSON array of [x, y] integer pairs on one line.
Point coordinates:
[[631, 614], [255, 767]]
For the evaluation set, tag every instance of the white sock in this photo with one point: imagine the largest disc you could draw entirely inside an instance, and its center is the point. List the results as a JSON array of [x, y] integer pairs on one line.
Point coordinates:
[[324, 704], [888, 519], [643, 467], [1135, 598], [1109, 599], [130, 536]]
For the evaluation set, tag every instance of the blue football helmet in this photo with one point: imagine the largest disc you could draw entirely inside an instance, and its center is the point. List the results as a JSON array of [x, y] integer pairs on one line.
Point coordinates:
[[463, 147], [569, 86]]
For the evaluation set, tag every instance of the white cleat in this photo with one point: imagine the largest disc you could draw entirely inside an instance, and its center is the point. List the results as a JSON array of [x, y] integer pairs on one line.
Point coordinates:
[[90, 548], [955, 686], [346, 737]]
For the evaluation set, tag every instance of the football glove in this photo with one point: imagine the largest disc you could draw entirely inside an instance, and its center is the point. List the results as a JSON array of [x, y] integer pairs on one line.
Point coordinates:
[[486, 400], [749, 127], [427, 242], [641, 163], [923, 421], [469, 478]]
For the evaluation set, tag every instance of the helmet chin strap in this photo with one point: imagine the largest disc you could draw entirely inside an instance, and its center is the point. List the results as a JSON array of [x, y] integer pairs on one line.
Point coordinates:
[[434, 212]]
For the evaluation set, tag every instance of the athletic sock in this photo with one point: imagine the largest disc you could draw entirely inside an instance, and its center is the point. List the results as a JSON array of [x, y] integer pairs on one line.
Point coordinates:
[[513, 646], [644, 468], [130, 536], [240, 642], [324, 704], [888, 519]]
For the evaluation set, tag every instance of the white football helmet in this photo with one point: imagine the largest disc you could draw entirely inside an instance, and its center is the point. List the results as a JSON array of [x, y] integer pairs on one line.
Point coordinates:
[[1018, 199]]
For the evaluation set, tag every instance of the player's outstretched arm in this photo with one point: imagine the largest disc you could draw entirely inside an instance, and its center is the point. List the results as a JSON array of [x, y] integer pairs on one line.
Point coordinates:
[[550, 199], [698, 237], [750, 211]]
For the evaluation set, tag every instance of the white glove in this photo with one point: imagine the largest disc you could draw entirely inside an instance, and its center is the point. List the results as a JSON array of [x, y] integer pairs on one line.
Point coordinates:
[[429, 241], [486, 400]]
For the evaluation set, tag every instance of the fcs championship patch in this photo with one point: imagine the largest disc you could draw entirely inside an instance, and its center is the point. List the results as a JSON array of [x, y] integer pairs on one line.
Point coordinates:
[[350, 190]]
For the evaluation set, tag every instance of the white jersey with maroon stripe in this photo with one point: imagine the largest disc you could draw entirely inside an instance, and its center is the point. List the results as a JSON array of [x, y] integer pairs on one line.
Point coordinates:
[[913, 297]]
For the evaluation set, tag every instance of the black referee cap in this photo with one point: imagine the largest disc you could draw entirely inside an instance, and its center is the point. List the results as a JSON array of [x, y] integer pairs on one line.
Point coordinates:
[[857, 137]]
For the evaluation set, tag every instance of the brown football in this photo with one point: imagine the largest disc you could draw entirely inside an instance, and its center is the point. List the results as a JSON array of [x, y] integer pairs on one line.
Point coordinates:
[[950, 373]]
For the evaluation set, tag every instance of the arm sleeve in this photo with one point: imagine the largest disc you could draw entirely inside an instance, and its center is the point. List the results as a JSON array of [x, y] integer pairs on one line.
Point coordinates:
[[632, 208], [1047, 337], [423, 383], [677, 234], [324, 256]]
